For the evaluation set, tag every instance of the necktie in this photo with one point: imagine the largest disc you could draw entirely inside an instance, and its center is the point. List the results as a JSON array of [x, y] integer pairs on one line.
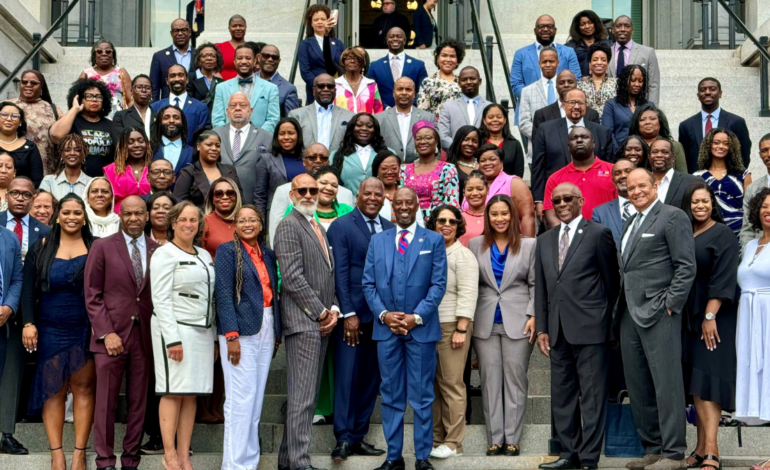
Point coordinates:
[[634, 228], [372, 229], [563, 246], [626, 213], [320, 236], [403, 243], [471, 112], [176, 102], [709, 125], [245, 81], [395, 69], [621, 60], [19, 230], [136, 260], [551, 94], [237, 145]]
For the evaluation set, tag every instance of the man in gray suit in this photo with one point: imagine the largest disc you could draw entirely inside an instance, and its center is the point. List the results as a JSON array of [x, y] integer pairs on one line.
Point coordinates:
[[322, 121], [762, 182], [308, 315], [465, 110], [243, 143], [396, 123], [626, 52], [657, 264], [539, 94]]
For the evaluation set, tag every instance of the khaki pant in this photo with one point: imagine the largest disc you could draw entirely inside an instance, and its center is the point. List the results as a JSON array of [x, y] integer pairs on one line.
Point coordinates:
[[449, 405]]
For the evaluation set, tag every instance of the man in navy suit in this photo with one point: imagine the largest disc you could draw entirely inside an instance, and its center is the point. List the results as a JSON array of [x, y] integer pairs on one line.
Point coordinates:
[[10, 289], [179, 52], [614, 214], [396, 65], [27, 231], [694, 129], [171, 143], [269, 59], [196, 113], [404, 281], [356, 372]]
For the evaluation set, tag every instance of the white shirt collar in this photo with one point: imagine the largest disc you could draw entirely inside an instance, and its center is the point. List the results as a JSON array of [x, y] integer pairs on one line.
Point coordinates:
[[647, 211], [139, 241], [321, 109], [669, 174], [400, 56], [24, 220], [399, 113], [411, 229], [570, 124], [244, 130], [572, 225], [182, 98], [621, 201], [714, 115]]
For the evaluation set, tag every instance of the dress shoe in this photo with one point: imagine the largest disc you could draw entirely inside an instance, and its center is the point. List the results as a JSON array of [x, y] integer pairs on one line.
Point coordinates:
[[153, 446], [512, 450], [667, 464], [9, 445], [392, 465], [341, 452], [495, 449], [588, 465], [310, 467], [639, 464], [364, 448], [561, 464], [423, 465]]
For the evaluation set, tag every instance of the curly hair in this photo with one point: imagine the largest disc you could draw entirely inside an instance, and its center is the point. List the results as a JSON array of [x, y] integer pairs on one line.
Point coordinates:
[[621, 152], [325, 170], [121, 149], [199, 51], [157, 128], [454, 44], [348, 145], [624, 81], [21, 131], [239, 248], [600, 47], [63, 145], [309, 32], [755, 205], [462, 133], [600, 32], [96, 46], [79, 89], [633, 128], [430, 224], [733, 159], [173, 216]]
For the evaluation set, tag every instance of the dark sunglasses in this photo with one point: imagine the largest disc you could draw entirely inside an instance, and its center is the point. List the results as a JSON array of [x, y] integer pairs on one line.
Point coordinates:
[[30, 82], [267, 56], [219, 193], [327, 86], [303, 191], [104, 52], [317, 158], [567, 199], [443, 221]]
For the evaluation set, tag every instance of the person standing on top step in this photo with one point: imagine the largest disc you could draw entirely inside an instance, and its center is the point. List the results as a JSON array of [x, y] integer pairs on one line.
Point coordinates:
[[395, 65], [180, 52], [389, 19]]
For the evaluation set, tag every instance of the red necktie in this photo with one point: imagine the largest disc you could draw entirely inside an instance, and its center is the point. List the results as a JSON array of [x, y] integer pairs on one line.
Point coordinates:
[[709, 126], [18, 229]]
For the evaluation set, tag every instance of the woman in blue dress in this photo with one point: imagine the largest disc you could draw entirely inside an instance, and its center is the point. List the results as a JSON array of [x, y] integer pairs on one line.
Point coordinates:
[[722, 168], [56, 325]]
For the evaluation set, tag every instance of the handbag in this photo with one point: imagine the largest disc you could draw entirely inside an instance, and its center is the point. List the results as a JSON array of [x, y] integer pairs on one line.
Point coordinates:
[[620, 436]]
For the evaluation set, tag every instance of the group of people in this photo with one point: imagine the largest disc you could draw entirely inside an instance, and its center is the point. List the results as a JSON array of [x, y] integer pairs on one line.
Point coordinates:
[[173, 229]]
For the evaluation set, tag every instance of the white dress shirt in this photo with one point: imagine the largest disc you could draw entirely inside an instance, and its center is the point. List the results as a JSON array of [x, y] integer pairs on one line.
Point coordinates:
[[571, 124], [410, 233], [404, 120], [244, 132], [664, 184], [399, 59], [714, 119], [10, 224], [320, 40], [628, 232], [572, 228], [182, 100], [544, 83], [363, 154], [561, 106], [141, 245], [147, 119]]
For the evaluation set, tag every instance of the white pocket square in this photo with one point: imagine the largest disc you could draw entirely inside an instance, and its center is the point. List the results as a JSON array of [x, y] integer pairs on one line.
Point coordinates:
[[647, 235], [425, 252]]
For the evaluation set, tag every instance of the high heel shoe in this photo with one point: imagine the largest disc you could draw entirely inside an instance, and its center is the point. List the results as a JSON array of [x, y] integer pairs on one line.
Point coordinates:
[[65, 459], [84, 449]]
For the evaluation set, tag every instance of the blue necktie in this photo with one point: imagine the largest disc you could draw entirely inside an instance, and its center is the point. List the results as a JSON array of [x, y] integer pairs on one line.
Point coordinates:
[[551, 94], [621, 60], [176, 102]]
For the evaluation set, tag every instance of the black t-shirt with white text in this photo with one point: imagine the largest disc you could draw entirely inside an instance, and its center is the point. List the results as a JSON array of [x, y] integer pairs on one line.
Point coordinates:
[[100, 143]]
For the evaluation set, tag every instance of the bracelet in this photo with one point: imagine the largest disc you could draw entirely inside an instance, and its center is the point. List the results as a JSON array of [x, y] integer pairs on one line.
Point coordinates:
[[231, 339], [461, 331], [28, 324]]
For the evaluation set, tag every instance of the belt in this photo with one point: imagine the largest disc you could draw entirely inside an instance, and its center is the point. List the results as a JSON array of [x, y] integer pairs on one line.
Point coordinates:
[[756, 356]]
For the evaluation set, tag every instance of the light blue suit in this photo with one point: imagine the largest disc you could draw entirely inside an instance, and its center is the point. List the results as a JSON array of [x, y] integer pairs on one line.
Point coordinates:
[[265, 102], [352, 171], [526, 69], [411, 283], [10, 260]]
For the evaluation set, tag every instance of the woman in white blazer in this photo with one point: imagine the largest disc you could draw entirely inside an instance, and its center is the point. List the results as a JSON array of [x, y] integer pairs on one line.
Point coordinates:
[[183, 330]]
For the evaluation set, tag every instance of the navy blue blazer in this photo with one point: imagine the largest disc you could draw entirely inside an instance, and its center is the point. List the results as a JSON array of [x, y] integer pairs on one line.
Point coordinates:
[[185, 158], [245, 316], [287, 94], [425, 31], [379, 71], [424, 280], [617, 118], [608, 214], [691, 136], [37, 229], [10, 260], [197, 115], [161, 61], [312, 63], [349, 237]]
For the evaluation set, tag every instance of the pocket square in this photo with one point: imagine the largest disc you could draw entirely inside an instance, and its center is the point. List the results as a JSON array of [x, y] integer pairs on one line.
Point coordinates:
[[425, 252], [262, 148], [648, 235]]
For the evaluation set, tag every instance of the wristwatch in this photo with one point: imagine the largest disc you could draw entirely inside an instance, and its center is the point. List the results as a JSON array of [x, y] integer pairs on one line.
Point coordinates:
[[710, 316], [417, 319]]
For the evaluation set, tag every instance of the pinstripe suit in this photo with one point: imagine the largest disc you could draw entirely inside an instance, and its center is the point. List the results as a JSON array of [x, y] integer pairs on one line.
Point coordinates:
[[308, 286]]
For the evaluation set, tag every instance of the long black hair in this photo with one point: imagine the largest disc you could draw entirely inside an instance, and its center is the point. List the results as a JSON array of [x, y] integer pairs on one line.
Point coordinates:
[[348, 145], [600, 32], [157, 128], [633, 128], [716, 213], [151, 200], [484, 132], [299, 148], [624, 81], [46, 252], [456, 149]]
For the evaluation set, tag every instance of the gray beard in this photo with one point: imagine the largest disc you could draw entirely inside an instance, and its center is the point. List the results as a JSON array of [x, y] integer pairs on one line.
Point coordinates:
[[308, 211]]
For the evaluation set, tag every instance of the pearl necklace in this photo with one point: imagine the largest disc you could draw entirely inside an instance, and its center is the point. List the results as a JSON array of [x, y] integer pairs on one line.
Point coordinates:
[[466, 165], [11, 142]]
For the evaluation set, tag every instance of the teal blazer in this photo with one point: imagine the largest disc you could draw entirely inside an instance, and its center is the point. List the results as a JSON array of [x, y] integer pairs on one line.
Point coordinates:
[[352, 171], [264, 101]]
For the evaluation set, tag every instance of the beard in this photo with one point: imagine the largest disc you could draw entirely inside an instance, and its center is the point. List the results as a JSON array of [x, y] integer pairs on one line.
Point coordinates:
[[304, 209], [170, 133]]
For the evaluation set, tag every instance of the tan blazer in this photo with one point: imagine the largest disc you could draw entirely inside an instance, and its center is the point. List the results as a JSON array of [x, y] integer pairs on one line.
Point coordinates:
[[516, 293]]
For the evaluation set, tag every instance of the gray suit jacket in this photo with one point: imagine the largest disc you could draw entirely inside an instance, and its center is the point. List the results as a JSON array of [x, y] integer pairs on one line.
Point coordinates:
[[258, 141], [453, 115], [660, 266], [306, 116], [644, 56], [516, 294], [391, 132], [748, 233], [532, 98], [307, 278]]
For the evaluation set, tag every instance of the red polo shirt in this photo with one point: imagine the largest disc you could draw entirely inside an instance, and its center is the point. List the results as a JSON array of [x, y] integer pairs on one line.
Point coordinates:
[[595, 183]]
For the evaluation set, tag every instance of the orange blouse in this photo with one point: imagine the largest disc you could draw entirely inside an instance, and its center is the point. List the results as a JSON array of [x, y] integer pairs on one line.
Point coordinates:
[[264, 278]]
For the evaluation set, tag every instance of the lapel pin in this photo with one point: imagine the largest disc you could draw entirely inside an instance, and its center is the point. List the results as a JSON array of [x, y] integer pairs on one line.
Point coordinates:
[[168, 53], [408, 61], [580, 231], [420, 240], [37, 230], [189, 101], [333, 43]]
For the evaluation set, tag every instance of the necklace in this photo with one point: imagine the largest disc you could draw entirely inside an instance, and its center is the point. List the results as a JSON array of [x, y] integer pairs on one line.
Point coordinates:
[[327, 215], [11, 142], [708, 226], [466, 165], [356, 83]]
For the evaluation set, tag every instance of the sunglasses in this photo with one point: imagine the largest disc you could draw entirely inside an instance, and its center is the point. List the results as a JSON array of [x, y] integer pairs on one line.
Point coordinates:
[[104, 52], [326, 86], [219, 193], [567, 199], [303, 191], [444, 221], [267, 56], [317, 158], [30, 82]]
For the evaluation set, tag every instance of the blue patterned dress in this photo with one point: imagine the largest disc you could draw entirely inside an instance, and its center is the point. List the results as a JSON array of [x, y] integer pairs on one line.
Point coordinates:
[[729, 194]]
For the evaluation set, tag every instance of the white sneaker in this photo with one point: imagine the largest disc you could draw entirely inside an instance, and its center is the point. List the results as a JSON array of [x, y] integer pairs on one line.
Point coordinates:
[[443, 452], [319, 419]]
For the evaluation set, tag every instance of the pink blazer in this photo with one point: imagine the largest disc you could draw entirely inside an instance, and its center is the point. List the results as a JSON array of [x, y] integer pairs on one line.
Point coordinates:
[[126, 185]]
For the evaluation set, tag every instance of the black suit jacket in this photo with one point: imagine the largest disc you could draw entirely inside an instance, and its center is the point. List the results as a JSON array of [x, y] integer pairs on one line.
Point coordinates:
[[550, 150], [514, 157], [677, 187], [579, 297], [193, 185], [197, 89], [130, 118], [161, 61], [691, 136], [551, 112], [199, 22], [383, 23]]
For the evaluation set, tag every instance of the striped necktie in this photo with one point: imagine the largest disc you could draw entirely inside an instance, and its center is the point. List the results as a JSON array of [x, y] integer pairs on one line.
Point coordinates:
[[403, 244]]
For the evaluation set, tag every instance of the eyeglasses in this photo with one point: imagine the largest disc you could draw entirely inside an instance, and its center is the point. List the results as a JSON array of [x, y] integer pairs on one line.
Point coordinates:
[[326, 86], [180, 30], [208, 56], [92, 97], [567, 199], [26, 195], [267, 56], [220, 193], [30, 82], [157, 172], [142, 88], [10, 116], [574, 103], [317, 158], [424, 139], [252, 221], [103, 52], [303, 191], [444, 221]]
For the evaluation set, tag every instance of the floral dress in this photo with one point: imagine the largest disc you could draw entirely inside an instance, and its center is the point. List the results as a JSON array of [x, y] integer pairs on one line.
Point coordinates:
[[436, 91], [368, 98], [729, 194], [40, 117], [440, 186], [597, 98], [114, 84]]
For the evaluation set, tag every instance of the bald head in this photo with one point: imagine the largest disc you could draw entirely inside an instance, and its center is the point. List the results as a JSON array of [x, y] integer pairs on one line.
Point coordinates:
[[133, 216], [370, 197], [316, 156], [304, 194], [405, 206], [567, 202], [303, 181], [545, 30], [396, 40], [404, 92], [565, 81]]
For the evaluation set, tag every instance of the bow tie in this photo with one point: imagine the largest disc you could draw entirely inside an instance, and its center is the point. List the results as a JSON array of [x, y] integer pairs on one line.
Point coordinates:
[[244, 81]]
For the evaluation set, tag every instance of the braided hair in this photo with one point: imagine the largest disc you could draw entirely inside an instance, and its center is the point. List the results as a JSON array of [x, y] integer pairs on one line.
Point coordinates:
[[624, 81], [238, 245], [121, 149]]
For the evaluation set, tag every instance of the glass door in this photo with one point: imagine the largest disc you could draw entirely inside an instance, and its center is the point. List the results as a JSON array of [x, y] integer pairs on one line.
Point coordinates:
[[162, 14]]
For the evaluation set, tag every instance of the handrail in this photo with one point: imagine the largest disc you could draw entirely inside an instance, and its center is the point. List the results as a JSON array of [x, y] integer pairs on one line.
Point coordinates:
[[762, 51], [503, 58], [294, 60], [38, 46], [482, 48]]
